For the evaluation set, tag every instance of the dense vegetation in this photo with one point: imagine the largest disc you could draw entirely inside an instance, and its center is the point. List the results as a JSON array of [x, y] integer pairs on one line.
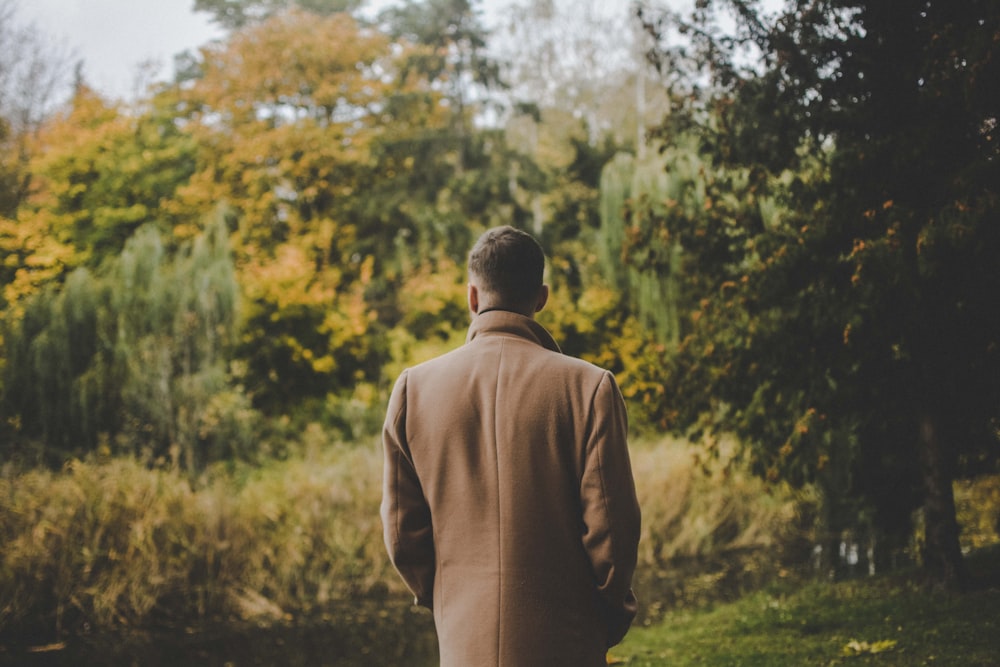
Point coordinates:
[[785, 248], [114, 545]]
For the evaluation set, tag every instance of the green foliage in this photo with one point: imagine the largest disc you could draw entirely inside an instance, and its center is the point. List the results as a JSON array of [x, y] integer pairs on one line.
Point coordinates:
[[104, 173], [851, 339], [641, 258], [176, 319], [134, 357], [437, 177], [50, 390], [457, 40], [616, 186]]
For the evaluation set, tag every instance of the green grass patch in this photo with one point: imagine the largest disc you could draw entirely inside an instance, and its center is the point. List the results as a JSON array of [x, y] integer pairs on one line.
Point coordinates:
[[883, 621]]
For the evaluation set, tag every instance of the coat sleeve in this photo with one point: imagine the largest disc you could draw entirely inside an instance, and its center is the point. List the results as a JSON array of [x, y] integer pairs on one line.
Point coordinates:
[[611, 513], [406, 517]]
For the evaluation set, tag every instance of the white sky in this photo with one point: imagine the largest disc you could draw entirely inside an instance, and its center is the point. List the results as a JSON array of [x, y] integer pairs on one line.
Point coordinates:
[[117, 38]]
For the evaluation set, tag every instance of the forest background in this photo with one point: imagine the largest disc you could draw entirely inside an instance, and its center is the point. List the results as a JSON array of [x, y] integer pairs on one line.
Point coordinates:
[[777, 224]]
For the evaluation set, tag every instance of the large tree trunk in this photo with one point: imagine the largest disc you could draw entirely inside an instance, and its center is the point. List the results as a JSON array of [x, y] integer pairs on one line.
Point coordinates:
[[942, 554]]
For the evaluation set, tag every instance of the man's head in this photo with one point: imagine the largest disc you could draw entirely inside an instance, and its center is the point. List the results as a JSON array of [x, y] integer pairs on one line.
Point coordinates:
[[505, 272]]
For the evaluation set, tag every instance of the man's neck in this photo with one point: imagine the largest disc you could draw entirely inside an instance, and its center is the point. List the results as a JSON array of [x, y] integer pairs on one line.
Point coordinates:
[[500, 308]]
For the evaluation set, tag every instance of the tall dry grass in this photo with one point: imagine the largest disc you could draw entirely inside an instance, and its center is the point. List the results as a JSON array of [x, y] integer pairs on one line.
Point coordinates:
[[114, 544], [692, 509], [711, 531]]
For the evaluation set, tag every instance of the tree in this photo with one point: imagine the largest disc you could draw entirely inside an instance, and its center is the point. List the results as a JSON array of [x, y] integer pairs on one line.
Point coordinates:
[[648, 274], [443, 168], [131, 357], [237, 14], [286, 114], [98, 172], [856, 331], [32, 71], [584, 58], [455, 58]]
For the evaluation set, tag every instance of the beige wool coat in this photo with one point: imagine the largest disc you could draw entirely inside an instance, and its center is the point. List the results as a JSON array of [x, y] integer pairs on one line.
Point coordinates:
[[508, 505]]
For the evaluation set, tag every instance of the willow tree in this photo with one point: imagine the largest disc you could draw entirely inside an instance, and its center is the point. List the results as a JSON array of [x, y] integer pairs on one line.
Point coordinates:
[[641, 257], [132, 357], [176, 323]]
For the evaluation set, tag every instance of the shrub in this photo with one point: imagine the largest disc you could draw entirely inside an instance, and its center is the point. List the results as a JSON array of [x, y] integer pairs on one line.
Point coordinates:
[[115, 544]]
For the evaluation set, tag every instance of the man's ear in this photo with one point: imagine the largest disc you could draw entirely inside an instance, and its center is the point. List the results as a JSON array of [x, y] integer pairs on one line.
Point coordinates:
[[543, 297], [473, 298]]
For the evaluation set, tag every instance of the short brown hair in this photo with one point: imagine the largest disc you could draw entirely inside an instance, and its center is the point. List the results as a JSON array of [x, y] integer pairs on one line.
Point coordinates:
[[508, 263]]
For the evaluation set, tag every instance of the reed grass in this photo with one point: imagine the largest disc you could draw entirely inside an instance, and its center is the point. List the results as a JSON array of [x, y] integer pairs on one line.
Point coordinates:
[[113, 544], [692, 510]]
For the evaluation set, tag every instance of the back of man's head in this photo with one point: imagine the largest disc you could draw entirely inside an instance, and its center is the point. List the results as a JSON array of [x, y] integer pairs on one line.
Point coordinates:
[[508, 264]]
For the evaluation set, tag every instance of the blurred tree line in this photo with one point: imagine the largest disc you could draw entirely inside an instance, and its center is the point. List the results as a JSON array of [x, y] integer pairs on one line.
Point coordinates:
[[782, 228], [299, 199]]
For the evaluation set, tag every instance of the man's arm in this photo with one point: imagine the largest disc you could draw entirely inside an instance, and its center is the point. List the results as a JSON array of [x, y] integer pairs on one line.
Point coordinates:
[[610, 509], [406, 518]]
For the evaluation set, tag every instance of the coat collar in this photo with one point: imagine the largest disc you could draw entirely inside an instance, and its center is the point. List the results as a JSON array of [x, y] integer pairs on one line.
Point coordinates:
[[514, 324]]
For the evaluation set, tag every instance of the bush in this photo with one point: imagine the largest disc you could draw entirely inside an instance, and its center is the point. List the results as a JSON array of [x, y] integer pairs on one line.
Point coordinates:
[[117, 545]]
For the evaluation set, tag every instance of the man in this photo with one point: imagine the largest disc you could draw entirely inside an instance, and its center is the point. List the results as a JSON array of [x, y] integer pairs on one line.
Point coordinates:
[[508, 505]]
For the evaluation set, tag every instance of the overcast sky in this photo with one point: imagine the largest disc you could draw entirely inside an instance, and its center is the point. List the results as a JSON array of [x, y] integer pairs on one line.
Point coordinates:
[[114, 38]]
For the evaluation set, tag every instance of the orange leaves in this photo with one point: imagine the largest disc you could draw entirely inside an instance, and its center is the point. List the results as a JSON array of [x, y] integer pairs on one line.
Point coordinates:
[[32, 254], [295, 66], [871, 213], [97, 173], [289, 278], [802, 428], [859, 247]]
